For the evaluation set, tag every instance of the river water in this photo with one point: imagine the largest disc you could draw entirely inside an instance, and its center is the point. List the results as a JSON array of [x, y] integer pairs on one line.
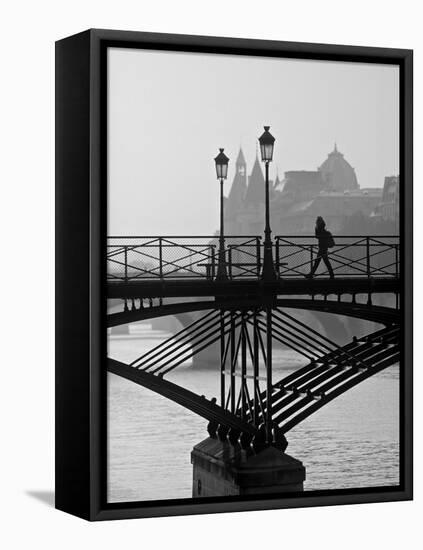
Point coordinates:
[[352, 442]]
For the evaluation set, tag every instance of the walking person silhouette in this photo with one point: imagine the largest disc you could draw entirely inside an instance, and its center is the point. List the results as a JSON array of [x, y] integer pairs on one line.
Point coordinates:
[[325, 242]]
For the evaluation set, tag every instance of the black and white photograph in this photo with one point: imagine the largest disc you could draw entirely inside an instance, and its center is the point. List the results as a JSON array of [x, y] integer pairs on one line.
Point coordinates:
[[254, 297], [211, 232]]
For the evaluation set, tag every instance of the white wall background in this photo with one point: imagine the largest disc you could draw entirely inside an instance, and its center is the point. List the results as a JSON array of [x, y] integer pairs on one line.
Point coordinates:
[[28, 32]]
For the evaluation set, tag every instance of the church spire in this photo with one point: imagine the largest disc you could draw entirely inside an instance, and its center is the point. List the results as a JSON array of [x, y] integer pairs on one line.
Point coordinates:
[[238, 190], [277, 180], [240, 161], [255, 194]]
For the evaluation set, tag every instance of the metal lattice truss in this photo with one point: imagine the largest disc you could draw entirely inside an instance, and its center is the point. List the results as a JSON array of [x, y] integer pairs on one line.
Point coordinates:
[[245, 367], [181, 347], [298, 395]]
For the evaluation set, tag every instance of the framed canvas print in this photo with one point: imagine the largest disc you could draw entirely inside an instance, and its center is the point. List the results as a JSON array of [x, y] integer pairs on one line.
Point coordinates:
[[234, 284]]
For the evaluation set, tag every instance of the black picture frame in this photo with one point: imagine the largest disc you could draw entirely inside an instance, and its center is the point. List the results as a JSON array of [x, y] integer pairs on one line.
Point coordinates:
[[81, 129]]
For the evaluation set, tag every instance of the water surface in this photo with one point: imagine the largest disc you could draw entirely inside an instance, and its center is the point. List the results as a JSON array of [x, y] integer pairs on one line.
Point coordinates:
[[351, 442]]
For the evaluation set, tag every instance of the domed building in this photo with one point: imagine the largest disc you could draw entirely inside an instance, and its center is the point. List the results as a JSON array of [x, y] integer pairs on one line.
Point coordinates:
[[337, 173]]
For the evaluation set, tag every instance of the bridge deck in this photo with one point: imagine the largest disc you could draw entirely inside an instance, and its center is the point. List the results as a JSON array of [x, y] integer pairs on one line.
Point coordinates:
[[249, 287]]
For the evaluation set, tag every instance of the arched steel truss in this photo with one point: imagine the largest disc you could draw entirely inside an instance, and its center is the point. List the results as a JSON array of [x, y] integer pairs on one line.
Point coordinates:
[[246, 336]]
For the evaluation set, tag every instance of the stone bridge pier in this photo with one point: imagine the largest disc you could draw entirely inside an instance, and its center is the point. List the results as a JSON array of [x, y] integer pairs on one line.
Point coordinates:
[[222, 468]]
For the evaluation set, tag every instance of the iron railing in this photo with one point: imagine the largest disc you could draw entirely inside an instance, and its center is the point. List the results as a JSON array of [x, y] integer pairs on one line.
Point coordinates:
[[356, 256], [146, 258]]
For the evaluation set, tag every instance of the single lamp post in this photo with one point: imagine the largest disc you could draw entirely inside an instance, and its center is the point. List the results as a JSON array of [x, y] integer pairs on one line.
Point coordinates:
[[222, 173], [267, 142]]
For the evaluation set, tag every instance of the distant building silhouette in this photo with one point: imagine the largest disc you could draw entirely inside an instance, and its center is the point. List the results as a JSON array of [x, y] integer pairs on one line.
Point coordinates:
[[235, 200], [388, 209], [332, 191], [337, 173]]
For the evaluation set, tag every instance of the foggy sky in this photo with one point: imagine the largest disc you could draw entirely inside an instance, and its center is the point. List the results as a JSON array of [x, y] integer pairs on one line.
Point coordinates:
[[169, 113]]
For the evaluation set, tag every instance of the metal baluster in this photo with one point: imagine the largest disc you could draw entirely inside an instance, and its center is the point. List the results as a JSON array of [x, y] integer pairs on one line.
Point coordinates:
[[256, 368], [396, 262], [213, 261], [233, 362], [277, 266], [368, 256], [230, 261], [126, 263], [258, 256], [243, 366], [160, 258], [222, 360]]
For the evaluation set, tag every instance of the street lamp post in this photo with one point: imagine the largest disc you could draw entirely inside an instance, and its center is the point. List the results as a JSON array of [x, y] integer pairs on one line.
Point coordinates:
[[222, 173], [267, 141]]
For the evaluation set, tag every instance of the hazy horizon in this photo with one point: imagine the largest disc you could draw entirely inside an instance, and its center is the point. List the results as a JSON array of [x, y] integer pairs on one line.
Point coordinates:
[[169, 112]]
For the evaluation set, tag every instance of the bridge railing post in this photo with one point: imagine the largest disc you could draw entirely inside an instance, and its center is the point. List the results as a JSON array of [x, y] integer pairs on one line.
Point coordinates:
[[243, 367], [256, 367], [160, 257], [396, 262], [213, 261], [222, 361], [126, 262], [230, 261], [233, 362], [258, 254], [277, 266], [368, 256]]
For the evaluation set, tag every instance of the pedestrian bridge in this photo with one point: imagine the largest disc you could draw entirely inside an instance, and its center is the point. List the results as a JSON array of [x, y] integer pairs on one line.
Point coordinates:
[[188, 266], [247, 313]]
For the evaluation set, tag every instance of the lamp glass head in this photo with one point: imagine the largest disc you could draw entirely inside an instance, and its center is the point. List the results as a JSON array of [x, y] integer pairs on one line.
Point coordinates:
[[267, 142], [221, 165]]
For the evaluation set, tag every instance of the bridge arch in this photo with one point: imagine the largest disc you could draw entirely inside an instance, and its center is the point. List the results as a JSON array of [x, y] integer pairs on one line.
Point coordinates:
[[363, 311], [188, 311]]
